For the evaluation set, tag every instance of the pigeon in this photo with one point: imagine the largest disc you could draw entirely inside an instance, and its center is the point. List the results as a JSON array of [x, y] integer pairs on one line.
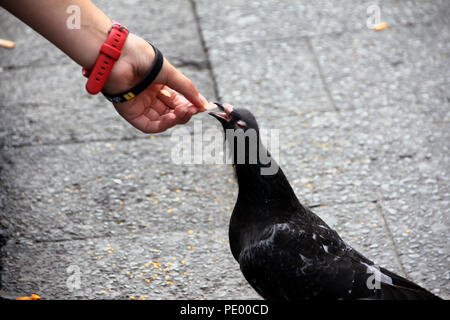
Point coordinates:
[[285, 251]]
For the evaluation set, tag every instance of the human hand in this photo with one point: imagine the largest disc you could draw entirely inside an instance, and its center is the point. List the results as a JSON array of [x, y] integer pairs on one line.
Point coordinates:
[[151, 111], [160, 106]]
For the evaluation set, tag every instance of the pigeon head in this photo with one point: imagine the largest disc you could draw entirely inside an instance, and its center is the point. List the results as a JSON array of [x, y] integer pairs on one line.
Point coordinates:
[[242, 134], [235, 118]]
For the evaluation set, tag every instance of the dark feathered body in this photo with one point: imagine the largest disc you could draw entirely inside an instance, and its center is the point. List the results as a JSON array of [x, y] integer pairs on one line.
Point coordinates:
[[285, 251]]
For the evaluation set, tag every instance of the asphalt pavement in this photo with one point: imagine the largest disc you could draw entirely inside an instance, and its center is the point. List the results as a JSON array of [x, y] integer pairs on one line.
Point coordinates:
[[91, 208]]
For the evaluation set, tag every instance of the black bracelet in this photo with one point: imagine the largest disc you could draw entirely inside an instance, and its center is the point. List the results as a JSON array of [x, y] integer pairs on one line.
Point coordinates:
[[141, 85]]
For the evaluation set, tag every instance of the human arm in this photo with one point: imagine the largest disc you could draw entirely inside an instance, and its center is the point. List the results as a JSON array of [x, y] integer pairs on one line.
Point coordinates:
[[150, 111]]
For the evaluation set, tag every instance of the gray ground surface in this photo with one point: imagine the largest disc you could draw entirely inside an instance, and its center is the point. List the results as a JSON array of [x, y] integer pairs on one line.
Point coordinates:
[[364, 128]]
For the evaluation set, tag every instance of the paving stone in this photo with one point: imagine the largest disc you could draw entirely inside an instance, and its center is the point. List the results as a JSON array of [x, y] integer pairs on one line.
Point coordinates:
[[362, 119], [149, 265], [419, 224], [31, 49], [237, 21], [105, 189], [170, 27], [253, 72], [60, 111], [365, 70]]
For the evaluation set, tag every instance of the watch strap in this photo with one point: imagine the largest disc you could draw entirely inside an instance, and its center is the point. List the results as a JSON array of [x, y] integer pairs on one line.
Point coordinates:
[[109, 53], [142, 84]]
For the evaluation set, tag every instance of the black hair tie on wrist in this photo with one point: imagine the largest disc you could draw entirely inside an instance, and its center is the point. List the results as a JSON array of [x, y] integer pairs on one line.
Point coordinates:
[[141, 85]]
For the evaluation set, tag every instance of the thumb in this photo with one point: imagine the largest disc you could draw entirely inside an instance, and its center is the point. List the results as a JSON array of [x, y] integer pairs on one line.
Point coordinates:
[[180, 83]]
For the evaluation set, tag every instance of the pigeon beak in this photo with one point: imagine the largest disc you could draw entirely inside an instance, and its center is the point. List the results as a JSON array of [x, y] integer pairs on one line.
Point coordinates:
[[223, 116]]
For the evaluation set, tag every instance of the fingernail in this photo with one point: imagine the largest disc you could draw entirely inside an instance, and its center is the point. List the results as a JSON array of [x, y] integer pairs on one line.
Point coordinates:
[[210, 106], [165, 93]]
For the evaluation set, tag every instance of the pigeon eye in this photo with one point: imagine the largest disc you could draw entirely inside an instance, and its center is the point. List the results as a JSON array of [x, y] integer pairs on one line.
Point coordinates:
[[241, 123]]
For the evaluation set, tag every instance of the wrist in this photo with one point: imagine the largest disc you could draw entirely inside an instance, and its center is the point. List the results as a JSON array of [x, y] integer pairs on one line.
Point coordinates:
[[95, 36], [134, 62]]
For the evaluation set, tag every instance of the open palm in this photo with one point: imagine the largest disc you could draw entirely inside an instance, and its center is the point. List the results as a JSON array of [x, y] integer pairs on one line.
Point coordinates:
[[170, 100], [156, 109]]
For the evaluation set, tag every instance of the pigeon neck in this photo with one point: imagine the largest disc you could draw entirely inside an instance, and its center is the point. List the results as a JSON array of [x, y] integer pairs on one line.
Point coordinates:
[[264, 181]]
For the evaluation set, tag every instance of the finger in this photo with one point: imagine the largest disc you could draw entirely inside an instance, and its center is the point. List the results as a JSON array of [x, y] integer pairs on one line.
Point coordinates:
[[173, 99], [180, 113], [205, 103], [152, 114], [167, 121], [179, 82], [159, 106], [168, 96], [191, 111], [147, 125]]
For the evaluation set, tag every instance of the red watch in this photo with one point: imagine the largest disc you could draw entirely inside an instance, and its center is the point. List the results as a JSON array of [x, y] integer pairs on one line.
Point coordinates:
[[109, 54]]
